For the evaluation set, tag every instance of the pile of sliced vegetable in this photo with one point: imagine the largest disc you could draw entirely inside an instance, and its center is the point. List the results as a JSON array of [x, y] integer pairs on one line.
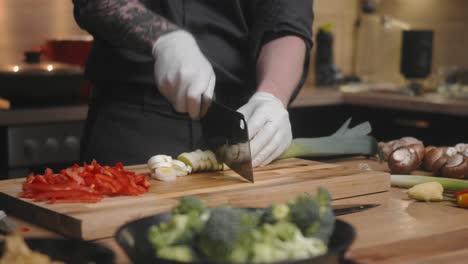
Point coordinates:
[[87, 184], [165, 168]]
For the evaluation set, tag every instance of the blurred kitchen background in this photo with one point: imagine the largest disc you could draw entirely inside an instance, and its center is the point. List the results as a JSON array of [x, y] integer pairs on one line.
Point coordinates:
[[360, 71]]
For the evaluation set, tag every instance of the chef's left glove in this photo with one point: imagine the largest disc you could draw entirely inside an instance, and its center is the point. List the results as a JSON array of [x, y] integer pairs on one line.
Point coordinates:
[[269, 127], [183, 74]]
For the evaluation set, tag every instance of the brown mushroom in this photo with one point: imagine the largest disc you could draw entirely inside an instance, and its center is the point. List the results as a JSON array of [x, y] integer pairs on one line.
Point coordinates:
[[433, 155], [460, 147], [403, 160], [419, 150], [387, 148], [456, 167]]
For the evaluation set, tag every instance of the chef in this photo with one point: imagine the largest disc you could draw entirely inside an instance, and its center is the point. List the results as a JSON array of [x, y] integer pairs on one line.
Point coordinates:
[[152, 61]]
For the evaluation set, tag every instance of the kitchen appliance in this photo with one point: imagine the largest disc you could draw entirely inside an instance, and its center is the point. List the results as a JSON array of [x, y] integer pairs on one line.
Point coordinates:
[[226, 133], [133, 238], [44, 122], [35, 137], [416, 58], [37, 83]]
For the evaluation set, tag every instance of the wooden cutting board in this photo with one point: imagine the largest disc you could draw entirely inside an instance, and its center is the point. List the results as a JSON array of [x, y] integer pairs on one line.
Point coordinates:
[[277, 182]]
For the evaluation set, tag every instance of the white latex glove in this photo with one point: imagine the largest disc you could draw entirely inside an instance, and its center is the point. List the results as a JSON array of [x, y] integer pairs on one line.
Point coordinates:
[[269, 127], [182, 72]]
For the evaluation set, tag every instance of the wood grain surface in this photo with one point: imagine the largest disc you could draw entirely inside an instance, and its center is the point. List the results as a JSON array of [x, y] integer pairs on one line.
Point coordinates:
[[277, 182]]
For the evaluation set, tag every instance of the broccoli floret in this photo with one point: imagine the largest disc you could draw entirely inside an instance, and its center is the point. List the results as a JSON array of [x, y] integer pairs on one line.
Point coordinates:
[[177, 253], [180, 229], [283, 241], [275, 213], [226, 236], [305, 213], [189, 205], [314, 215]]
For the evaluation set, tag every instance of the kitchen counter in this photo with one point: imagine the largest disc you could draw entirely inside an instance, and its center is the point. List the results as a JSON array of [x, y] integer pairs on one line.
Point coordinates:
[[397, 231], [429, 103], [308, 97], [43, 115]]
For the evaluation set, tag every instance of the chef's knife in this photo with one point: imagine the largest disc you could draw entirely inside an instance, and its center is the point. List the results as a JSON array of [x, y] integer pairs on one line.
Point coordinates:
[[225, 131], [352, 208]]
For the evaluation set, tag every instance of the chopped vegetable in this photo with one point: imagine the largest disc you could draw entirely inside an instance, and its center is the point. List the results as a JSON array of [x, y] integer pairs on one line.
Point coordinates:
[[177, 253], [87, 184], [189, 205], [284, 241], [462, 200], [164, 174], [181, 229], [428, 192], [200, 160], [235, 235], [226, 236], [408, 181], [460, 192]]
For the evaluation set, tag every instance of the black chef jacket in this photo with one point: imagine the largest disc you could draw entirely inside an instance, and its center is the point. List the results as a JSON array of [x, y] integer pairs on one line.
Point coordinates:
[[229, 33], [129, 121]]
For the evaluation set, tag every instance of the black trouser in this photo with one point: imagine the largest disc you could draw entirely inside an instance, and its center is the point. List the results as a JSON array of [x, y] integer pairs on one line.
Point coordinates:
[[131, 124]]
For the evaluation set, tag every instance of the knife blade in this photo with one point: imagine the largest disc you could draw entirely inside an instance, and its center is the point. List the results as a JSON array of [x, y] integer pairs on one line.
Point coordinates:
[[352, 208], [226, 133]]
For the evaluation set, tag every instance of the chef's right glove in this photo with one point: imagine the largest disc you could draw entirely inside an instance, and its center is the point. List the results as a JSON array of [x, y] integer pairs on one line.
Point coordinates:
[[182, 73]]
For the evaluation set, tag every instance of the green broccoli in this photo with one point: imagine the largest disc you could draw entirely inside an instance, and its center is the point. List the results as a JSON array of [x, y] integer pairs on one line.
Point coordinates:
[[177, 253], [189, 205], [314, 215], [275, 213], [305, 213], [179, 230], [226, 236], [283, 241]]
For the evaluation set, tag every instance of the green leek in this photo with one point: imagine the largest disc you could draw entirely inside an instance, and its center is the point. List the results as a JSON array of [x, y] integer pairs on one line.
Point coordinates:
[[408, 181], [345, 141]]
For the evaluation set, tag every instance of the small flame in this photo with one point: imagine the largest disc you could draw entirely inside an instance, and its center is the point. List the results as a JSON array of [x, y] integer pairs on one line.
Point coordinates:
[[16, 68], [50, 67]]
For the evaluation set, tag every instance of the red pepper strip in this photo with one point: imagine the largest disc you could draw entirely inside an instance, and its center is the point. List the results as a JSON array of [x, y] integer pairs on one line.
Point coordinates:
[[105, 178], [30, 178], [73, 174], [39, 178], [43, 187], [27, 194], [65, 194], [460, 193], [130, 187]]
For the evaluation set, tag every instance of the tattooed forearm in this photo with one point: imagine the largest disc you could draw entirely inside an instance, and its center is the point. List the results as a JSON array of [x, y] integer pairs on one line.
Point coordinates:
[[125, 23]]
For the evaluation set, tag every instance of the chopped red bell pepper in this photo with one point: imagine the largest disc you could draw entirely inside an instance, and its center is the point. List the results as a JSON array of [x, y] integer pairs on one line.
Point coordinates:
[[89, 184]]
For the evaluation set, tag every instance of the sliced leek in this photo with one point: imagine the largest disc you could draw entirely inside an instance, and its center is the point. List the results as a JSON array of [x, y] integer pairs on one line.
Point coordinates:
[[200, 160], [164, 174]]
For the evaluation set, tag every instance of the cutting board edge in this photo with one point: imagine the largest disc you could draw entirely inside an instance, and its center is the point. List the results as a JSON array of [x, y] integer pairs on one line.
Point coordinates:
[[62, 223]]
